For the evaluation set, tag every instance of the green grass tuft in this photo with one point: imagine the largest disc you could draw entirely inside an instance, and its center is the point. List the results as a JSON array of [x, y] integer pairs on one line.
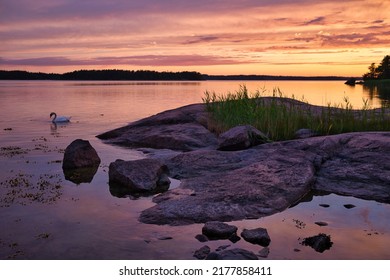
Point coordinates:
[[280, 117]]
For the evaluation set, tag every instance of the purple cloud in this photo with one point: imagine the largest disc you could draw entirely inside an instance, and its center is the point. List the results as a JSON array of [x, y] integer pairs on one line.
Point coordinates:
[[317, 20], [142, 60]]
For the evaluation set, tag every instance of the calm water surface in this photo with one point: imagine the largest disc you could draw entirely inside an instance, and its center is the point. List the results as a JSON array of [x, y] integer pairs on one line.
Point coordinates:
[[44, 216]]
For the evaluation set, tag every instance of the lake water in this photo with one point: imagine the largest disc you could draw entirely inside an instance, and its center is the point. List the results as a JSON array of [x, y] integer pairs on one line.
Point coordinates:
[[44, 216]]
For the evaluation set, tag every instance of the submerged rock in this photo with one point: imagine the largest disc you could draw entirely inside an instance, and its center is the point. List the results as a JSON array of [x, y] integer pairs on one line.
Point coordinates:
[[263, 253], [320, 242], [144, 175], [202, 253], [321, 224]]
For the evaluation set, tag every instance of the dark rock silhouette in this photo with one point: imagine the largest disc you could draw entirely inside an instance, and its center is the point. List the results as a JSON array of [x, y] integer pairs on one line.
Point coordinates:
[[350, 82], [218, 230], [202, 253], [80, 162], [320, 242], [80, 154], [256, 236]]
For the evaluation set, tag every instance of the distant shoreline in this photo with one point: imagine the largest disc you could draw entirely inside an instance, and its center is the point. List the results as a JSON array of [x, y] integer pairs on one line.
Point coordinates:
[[146, 75]]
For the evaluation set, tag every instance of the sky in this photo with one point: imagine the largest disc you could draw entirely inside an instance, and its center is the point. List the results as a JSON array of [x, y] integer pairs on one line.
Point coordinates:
[[264, 37]]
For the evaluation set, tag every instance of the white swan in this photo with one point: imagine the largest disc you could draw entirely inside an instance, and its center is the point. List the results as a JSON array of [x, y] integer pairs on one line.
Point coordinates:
[[59, 119]]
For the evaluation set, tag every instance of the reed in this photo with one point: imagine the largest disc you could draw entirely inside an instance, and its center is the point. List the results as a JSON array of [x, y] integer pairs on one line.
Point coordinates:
[[280, 117]]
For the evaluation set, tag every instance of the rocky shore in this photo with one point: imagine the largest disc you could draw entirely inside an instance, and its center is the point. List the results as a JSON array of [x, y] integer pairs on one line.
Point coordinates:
[[253, 180]]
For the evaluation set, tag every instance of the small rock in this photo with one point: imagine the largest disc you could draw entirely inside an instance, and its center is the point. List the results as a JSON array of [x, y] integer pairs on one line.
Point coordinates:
[[240, 138], [233, 254], [350, 82], [144, 175], [218, 230], [256, 236], [324, 205], [305, 133], [349, 206], [234, 238], [320, 242], [321, 224], [201, 238], [263, 253], [202, 253], [165, 238]]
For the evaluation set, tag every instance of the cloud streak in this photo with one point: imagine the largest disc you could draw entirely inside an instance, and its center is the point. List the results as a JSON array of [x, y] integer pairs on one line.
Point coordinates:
[[144, 60]]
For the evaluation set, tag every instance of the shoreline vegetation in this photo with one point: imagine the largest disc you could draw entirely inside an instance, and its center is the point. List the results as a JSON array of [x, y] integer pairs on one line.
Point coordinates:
[[146, 75], [280, 117]]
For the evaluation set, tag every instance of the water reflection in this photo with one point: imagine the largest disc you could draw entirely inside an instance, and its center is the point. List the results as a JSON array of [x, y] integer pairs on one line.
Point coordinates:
[[89, 223], [120, 191], [380, 91], [54, 127], [80, 175]]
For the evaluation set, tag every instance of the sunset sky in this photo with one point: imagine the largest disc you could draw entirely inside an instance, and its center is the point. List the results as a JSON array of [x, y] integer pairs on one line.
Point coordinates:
[[271, 37]]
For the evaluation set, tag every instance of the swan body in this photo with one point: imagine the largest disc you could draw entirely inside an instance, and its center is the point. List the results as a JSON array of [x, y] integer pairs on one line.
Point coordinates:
[[59, 119]]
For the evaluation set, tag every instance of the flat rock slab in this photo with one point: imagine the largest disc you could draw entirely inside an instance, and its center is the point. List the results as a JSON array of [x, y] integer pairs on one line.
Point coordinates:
[[181, 129]]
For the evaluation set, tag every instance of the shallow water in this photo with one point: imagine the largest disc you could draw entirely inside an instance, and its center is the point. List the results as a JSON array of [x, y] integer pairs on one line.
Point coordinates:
[[44, 216]]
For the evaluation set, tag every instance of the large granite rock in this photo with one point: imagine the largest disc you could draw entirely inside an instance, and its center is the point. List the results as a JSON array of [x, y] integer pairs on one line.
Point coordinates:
[[261, 180], [144, 175]]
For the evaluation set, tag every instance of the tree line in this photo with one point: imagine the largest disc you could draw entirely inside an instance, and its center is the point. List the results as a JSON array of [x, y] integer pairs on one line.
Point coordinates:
[[99, 75], [146, 75], [380, 72]]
